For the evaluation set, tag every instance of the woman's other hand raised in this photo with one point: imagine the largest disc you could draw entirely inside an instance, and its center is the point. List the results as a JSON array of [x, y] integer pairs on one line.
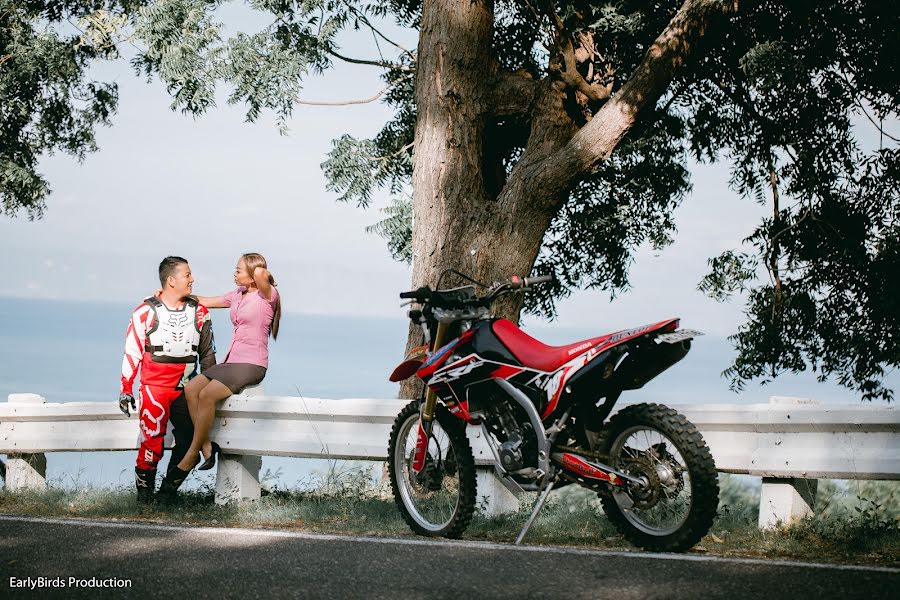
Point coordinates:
[[264, 281]]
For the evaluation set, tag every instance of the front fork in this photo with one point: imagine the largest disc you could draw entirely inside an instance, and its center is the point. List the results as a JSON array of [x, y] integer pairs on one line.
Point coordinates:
[[426, 415]]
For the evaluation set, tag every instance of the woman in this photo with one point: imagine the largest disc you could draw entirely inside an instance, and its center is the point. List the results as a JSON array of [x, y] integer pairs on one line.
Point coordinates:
[[255, 312]]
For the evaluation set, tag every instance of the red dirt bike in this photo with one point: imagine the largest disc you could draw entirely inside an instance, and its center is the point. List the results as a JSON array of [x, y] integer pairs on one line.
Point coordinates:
[[543, 411]]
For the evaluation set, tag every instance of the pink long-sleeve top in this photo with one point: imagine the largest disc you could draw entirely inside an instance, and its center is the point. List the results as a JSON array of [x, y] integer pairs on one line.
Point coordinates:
[[252, 316]]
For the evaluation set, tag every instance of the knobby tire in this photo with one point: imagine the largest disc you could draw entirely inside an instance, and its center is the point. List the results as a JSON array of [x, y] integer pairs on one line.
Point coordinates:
[[456, 432], [700, 466]]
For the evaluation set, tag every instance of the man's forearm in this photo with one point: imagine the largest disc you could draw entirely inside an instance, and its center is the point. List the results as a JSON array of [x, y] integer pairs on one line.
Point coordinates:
[[135, 337]]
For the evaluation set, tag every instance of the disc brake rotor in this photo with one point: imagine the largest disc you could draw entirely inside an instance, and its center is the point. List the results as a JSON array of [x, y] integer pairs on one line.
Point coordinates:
[[431, 478]]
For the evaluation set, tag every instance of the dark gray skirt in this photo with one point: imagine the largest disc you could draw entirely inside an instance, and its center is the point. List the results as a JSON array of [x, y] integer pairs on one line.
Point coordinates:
[[235, 376]]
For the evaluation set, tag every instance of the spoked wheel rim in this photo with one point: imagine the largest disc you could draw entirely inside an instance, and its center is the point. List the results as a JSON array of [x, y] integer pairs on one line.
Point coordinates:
[[663, 503], [432, 497]]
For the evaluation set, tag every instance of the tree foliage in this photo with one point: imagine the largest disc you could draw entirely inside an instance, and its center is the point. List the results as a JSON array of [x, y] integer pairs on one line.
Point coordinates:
[[47, 101], [780, 99], [779, 90]]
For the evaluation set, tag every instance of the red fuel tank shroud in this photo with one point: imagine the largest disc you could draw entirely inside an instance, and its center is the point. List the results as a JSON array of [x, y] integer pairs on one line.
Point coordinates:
[[438, 358]]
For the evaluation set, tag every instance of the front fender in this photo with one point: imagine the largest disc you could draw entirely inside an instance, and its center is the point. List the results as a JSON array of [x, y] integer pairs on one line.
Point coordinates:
[[410, 364]]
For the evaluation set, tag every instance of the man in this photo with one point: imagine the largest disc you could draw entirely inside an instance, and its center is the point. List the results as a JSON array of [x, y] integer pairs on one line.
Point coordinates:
[[167, 335]]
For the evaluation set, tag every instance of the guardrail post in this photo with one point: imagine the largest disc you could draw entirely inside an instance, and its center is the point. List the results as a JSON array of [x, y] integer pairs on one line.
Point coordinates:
[[784, 501], [237, 477], [26, 471], [493, 498]]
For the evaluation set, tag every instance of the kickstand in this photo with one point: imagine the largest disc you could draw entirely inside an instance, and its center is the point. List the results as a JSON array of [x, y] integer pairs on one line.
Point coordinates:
[[538, 505]]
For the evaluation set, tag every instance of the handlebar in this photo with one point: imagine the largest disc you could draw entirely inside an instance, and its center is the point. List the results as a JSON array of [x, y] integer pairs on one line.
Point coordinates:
[[517, 283], [444, 297], [423, 293], [527, 282]]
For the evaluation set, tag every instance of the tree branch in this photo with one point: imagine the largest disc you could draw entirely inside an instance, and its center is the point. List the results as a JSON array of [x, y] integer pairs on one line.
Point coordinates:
[[368, 24], [393, 154], [374, 63], [773, 241], [856, 100], [879, 127], [349, 102], [569, 73], [512, 93], [596, 141], [5, 58]]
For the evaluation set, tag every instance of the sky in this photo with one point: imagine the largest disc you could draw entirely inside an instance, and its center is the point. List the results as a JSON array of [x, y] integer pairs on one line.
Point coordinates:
[[213, 187]]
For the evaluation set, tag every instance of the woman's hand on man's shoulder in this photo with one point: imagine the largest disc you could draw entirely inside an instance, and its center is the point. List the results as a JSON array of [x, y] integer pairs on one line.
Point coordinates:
[[213, 301]]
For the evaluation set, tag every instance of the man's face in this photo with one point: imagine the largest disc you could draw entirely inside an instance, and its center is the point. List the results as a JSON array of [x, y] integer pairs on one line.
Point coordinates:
[[182, 281]]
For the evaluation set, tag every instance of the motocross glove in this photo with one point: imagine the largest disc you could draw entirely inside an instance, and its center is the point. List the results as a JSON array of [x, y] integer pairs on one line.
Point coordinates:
[[124, 400]]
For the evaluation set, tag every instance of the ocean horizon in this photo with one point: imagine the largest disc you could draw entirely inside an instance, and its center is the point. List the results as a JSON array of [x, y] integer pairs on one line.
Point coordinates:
[[71, 351]]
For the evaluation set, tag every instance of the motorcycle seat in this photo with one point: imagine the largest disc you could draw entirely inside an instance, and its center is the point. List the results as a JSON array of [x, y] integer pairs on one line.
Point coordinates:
[[535, 354]]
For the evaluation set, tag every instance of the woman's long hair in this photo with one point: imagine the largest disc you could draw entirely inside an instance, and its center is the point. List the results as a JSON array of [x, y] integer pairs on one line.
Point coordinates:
[[251, 261]]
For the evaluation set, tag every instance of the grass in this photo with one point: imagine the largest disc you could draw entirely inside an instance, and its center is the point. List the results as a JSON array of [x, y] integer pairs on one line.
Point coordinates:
[[856, 522]]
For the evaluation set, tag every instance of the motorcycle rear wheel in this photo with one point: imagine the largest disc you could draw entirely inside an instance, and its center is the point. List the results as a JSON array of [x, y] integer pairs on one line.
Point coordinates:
[[676, 507], [440, 500]]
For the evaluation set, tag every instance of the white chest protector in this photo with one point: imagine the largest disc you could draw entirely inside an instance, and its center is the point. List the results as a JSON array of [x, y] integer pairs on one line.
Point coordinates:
[[174, 336]]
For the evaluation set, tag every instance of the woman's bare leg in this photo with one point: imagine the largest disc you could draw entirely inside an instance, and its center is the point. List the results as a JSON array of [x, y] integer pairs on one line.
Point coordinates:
[[203, 419], [192, 393]]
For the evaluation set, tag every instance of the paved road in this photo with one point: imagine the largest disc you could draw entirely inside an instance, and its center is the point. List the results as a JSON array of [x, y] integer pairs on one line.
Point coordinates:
[[205, 562]]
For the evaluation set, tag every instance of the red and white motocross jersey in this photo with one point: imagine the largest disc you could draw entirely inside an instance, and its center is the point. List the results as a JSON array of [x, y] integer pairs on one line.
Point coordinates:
[[153, 371]]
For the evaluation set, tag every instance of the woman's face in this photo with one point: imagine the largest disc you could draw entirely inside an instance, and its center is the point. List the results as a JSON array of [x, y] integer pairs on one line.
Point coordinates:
[[241, 275]]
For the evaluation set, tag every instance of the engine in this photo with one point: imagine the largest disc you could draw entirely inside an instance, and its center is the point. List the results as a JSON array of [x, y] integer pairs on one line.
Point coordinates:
[[515, 437]]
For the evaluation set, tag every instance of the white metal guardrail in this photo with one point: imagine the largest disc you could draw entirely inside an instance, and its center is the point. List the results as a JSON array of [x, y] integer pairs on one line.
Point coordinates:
[[789, 442]]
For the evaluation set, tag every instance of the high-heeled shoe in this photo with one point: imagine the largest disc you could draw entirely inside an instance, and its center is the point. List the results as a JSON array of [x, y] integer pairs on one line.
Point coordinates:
[[210, 462]]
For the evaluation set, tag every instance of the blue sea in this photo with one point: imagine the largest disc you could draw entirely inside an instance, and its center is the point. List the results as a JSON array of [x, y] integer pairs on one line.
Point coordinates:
[[72, 352]]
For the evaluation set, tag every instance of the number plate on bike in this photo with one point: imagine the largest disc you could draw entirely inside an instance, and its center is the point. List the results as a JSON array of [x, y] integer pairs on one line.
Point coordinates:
[[677, 336]]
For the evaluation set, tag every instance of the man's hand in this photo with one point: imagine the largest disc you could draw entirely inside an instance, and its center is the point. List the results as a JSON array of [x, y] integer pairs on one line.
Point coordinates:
[[124, 400]]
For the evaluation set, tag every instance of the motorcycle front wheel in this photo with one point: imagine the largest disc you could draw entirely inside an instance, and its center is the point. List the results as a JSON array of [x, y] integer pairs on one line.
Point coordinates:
[[440, 499], [676, 503]]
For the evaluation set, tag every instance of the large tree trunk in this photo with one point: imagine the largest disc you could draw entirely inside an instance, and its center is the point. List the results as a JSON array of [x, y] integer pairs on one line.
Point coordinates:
[[458, 223], [448, 186], [455, 223]]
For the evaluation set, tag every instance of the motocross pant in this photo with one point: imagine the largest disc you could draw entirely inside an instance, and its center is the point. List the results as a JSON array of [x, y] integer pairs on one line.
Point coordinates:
[[154, 417]]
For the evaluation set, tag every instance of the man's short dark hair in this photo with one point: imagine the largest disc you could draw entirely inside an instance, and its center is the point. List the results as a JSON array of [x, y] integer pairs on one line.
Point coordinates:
[[167, 268]]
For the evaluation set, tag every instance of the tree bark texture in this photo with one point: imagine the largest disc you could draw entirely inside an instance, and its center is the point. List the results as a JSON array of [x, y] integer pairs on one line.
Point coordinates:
[[460, 220]]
